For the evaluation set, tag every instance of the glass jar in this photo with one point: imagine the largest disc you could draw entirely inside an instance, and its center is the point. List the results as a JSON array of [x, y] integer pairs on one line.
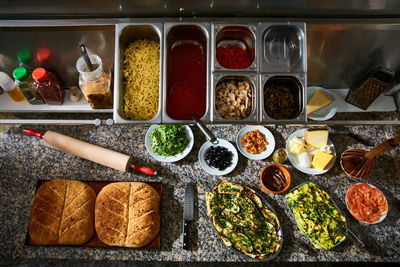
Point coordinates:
[[48, 86], [24, 82], [95, 84]]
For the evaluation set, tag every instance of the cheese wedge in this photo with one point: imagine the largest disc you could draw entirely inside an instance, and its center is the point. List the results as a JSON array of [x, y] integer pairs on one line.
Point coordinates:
[[321, 160], [297, 146], [316, 138], [318, 101]]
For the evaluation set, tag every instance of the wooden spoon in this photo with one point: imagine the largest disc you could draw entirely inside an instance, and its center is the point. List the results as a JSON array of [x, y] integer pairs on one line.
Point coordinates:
[[359, 163]]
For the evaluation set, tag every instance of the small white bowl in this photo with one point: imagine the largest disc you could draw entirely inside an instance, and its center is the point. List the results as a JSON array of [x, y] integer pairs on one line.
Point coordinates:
[[326, 112], [268, 135], [381, 218], [295, 162], [185, 152], [212, 170]]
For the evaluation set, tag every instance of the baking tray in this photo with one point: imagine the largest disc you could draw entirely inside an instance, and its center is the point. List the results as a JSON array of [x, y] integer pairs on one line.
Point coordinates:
[[331, 201], [280, 232], [95, 242]]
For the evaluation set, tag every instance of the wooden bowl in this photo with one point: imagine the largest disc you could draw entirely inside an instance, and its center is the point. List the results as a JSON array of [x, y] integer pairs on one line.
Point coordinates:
[[285, 172]]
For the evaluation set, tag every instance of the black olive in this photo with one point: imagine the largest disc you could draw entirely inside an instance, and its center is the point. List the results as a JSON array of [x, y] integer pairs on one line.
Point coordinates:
[[218, 157]]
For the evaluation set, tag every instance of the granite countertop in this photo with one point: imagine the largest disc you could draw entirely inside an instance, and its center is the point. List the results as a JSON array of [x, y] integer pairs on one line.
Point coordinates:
[[24, 160]]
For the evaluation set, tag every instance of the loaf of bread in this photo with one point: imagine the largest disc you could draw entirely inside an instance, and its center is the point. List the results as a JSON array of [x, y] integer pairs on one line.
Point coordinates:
[[62, 213], [127, 214]]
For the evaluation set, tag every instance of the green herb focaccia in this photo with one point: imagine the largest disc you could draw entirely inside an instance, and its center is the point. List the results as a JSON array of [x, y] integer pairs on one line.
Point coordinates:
[[242, 220], [316, 217], [169, 140]]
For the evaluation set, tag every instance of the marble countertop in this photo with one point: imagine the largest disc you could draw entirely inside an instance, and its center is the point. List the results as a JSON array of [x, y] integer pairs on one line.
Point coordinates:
[[24, 160]]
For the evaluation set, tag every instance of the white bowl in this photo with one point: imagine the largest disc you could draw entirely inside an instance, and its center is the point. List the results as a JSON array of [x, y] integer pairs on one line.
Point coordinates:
[[268, 135], [185, 152], [381, 218], [212, 170], [326, 112], [293, 158]]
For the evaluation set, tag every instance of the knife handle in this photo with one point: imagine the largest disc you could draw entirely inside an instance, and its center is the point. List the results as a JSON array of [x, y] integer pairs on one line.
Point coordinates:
[[185, 235]]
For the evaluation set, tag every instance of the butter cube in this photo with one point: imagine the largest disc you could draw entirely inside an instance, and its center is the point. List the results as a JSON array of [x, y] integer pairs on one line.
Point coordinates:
[[321, 160]]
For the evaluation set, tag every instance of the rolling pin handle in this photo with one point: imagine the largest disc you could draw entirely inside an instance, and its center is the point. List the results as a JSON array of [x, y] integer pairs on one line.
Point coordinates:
[[33, 133], [145, 170]]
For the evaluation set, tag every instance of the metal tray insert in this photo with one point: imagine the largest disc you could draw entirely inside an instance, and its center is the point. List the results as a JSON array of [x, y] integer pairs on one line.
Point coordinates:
[[178, 34], [285, 84], [126, 34], [283, 47], [252, 80], [243, 36]]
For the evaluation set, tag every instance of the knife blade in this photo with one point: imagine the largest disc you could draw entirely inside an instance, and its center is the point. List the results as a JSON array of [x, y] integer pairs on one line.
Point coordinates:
[[188, 211]]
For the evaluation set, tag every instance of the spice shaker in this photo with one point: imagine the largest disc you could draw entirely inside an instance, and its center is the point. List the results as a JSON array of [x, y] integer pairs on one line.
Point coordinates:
[[48, 86], [24, 82], [95, 83]]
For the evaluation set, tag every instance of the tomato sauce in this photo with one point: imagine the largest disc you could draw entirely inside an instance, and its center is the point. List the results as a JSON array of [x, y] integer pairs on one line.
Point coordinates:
[[186, 85]]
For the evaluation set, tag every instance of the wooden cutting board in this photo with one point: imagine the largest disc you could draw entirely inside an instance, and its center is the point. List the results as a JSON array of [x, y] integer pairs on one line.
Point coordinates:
[[95, 241]]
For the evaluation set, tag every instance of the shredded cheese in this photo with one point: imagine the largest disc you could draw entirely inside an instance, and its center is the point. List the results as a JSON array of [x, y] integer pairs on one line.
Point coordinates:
[[142, 75]]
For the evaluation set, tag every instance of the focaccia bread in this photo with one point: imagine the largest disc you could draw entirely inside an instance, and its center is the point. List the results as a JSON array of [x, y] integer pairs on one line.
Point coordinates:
[[62, 213], [127, 214]]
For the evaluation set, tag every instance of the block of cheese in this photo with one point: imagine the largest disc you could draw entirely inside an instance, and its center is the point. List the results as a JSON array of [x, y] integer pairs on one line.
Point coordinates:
[[316, 138], [321, 160], [297, 146], [318, 101]]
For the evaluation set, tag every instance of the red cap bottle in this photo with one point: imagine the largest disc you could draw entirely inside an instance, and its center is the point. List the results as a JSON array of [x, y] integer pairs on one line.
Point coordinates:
[[40, 75]]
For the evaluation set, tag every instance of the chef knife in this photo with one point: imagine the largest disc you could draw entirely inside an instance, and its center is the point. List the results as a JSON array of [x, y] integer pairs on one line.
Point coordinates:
[[188, 208]]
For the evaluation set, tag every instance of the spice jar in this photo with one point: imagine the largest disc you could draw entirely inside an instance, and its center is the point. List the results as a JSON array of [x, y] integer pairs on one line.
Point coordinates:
[[24, 82], [8, 85], [48, 86], [96, 83]]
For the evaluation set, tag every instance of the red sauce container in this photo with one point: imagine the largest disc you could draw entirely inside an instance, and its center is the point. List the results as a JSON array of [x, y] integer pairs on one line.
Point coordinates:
[[186, 72], [48, 86]]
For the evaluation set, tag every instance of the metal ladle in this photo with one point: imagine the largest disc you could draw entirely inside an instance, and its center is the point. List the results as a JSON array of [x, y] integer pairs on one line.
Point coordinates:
[[359, 163]]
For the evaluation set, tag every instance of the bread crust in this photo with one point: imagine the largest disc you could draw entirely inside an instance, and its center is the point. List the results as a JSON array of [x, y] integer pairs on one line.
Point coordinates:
[[62, 213], [127, 214]]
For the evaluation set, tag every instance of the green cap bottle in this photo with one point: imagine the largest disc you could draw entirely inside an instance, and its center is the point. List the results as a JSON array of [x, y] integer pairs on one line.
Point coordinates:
[[24, 56], [21, 73]]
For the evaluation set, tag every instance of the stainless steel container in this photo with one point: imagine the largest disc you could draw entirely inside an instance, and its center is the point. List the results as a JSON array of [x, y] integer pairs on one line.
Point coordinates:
[[125, 34], [282, 47], [177, 33], [61, 39], [296, 82], [242, 35], [251, 78]]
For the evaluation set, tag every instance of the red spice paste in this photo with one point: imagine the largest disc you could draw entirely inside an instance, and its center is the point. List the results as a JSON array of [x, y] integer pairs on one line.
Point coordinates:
[[186, 82], [234, 57]]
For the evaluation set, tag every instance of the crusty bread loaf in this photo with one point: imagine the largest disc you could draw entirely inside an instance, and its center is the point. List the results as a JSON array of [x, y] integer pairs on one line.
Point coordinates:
[[127, 214], [62, 213]]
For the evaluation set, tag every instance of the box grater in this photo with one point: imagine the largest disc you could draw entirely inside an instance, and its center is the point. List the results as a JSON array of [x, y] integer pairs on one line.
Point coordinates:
[[373, 86]]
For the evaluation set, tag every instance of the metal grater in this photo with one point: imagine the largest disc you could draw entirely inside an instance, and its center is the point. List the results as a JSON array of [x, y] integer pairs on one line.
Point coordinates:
[[377, 82]]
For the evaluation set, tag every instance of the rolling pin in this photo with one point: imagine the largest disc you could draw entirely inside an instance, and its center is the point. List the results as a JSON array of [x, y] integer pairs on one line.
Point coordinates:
[[90, 152]]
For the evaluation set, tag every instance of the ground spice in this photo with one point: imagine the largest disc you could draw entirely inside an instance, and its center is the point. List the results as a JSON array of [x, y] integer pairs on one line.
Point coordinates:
[[234, 57], [186, 82]]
